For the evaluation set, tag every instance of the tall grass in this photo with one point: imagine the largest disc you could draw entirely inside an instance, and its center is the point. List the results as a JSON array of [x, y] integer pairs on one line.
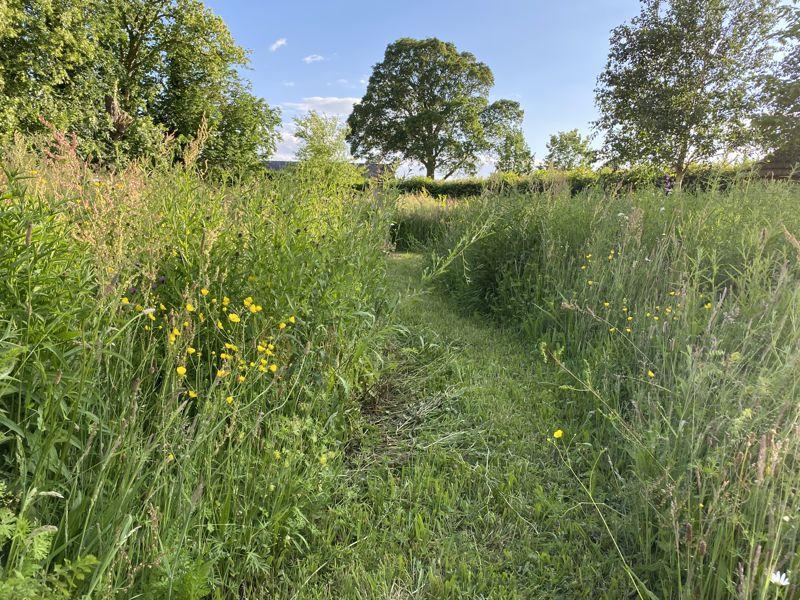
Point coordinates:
[[178, 363], [675, 322]]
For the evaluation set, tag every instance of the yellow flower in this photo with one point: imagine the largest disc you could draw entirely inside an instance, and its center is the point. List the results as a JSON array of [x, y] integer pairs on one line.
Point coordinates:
[[171, 338], [558, 434], [282, 326], [189, 307], [606, 304], [261, 348], [323, 459], [707, 305], [185, 324], [147, 327], [176, 332], [630, 318], [181, 371], [291, 319], [240, 378], [276, 454], [590, 282], [583, 267], [190, 350], [229, 399], [650, 374], [612, 329], [139, 307], [234, 318], [628, 330], [161, 306], [224, 356], [225, 301], [253, 308], [192, 394], [231, 347], [151, 316], [125, 300], [219, 324], [204, 291], [273, 367], [170, 457], [222, 373], [248, 301], [262, 369]]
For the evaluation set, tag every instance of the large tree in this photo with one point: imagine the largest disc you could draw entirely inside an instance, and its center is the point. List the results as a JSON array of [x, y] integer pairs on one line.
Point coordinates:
[[123, 74], [428, 102], [569, 150], [781, 122], [679, 85]]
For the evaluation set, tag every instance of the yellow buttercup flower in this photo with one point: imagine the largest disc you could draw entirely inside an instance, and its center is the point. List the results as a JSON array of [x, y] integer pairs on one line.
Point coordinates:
[[248, 301], [219, 324], [240, 379], [229, 399], [273, 367], [707, 305], [291, 319], [558, 434], [650, 374], [190, 350], [181, 371], [222, 373], [189, 307], [192, 394], [282, 326], [125, 300], [234, 318], [204, 291], [225, 301]]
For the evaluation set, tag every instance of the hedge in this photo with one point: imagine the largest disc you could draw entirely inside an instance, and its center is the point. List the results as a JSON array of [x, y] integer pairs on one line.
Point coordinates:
[[612, 180]]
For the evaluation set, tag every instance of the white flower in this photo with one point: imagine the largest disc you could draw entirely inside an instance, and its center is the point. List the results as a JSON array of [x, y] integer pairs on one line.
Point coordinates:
[[779, 578]]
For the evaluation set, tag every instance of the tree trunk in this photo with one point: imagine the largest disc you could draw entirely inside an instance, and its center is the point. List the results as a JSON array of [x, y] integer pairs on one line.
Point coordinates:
[[430, 169], [680, 171]]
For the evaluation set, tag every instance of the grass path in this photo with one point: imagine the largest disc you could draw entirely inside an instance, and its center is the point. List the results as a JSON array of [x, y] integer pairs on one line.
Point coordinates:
[[456, 490]]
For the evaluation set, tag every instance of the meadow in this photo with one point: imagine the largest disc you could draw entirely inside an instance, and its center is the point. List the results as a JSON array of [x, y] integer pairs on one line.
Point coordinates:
[[232, 388], [673, 323]]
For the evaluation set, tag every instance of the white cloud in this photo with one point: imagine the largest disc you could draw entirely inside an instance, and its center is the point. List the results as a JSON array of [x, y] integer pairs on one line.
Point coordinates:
[[288, 83], [313, 58], [277, 44], [329, 105], [288, 144]]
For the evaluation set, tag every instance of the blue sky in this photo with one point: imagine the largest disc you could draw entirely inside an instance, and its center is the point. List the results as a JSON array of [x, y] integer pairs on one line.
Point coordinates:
[[319, 54]]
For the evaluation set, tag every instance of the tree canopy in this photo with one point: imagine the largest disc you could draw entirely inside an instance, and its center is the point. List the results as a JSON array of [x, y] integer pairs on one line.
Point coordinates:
[[569, 150], [123, 74], [428, 102], [780, 122], [681, 79]]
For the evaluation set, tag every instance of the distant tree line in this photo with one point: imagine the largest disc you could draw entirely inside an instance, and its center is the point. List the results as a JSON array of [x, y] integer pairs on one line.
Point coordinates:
[[686, 81]]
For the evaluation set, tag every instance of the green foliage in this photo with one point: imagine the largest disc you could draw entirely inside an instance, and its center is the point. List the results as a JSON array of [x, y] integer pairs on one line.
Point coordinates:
[[781, 122], [680, 82], [610, 180], [180, 482], [123, 75], [428, 103], [567, 150], [673, 322]]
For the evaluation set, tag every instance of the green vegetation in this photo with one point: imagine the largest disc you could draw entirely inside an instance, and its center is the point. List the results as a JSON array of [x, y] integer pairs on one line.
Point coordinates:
[[674, 323], [429, 103], [681, 81], [178, 367], [130, 78], [605, 179]]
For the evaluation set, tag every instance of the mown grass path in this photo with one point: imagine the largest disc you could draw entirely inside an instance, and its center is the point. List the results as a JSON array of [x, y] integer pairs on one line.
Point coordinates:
[[457, 489]]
